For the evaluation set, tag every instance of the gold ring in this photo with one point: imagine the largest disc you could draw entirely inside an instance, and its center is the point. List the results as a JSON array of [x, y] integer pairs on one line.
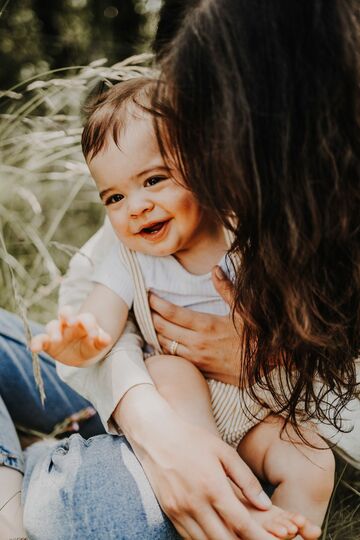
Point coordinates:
[[173, 347]]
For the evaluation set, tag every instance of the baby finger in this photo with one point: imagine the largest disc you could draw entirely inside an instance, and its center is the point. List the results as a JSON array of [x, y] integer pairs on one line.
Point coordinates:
[[39, 343], [103, 339], [88, 323], [54, 330], [67, 315]]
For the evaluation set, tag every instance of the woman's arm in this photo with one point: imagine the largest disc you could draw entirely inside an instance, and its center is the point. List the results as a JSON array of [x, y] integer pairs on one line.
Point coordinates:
[[211, 342], [189, 470]]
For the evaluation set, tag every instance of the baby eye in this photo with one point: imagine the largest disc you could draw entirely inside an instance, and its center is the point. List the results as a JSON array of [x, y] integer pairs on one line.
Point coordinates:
[[112, 199], [154, 180]]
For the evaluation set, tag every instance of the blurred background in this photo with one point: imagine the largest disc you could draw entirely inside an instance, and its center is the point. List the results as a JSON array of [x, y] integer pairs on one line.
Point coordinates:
[[40, 35]]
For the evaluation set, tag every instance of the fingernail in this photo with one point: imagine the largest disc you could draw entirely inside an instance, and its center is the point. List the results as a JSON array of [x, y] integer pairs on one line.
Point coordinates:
[[219, 273], [75, 426], [264, 499]]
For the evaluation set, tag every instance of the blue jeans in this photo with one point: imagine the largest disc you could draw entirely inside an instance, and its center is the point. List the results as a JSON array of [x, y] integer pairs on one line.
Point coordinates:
[[87, 486]]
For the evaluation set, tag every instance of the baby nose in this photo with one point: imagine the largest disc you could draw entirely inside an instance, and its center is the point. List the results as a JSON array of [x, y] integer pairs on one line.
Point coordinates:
[[139, 205]]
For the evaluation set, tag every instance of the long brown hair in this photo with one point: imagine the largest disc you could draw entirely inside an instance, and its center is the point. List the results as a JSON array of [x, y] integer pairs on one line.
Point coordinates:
[[265, 121]]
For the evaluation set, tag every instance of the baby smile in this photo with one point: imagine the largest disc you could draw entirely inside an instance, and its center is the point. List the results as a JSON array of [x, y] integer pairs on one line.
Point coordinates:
[[155, 230]]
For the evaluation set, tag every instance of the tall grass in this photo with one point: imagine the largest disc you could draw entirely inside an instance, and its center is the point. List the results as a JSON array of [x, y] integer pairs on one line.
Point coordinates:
[[49, 207]]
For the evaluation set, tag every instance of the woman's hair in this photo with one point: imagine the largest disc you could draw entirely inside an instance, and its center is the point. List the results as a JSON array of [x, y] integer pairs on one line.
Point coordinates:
[[172, 14], [264, 118], [108, 111]]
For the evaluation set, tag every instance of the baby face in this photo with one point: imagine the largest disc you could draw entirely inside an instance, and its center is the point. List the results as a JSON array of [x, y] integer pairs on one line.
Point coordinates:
[[148, 206]]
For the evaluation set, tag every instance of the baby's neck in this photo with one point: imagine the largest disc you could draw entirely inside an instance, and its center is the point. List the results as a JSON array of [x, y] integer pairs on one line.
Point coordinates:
[[207, 250]]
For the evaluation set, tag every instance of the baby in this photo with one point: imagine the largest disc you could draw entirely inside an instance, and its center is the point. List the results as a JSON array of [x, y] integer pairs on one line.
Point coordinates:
[[169, 244]]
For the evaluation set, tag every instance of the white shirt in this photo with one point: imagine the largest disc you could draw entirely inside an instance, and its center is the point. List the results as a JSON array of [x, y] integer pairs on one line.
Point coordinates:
[[167, 278]]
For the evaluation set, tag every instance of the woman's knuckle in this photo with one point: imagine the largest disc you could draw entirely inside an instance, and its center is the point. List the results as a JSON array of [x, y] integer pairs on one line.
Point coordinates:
[[206, 487], [168, 311], [241, 527], [172, 508], [198, 342], [211, 326], [202, 345]]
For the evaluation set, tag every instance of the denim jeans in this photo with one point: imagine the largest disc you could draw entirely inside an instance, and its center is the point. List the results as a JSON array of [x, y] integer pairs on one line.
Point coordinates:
[[87, 486]]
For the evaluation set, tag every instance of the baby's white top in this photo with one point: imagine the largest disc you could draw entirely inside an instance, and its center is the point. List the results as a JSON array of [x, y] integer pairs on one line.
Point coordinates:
[[167, 278]]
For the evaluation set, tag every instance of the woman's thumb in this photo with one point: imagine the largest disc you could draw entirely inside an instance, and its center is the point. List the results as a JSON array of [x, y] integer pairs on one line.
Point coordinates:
[[223, 285]]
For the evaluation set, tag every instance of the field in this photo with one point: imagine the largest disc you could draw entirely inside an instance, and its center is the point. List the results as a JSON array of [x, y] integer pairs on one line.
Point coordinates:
[[48, 208]]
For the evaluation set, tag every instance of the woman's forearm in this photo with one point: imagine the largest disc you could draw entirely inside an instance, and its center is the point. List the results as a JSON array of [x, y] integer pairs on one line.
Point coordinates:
[[181, 459], [141, 407]]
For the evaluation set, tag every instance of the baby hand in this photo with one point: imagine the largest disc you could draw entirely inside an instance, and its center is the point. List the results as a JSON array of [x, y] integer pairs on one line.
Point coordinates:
[[72, 339]]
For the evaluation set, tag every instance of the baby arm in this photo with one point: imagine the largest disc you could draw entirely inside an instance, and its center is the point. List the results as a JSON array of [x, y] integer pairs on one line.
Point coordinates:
[[83, 339]]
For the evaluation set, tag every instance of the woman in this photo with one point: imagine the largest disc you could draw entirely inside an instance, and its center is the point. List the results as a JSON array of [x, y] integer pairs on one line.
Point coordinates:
[[233, 136]]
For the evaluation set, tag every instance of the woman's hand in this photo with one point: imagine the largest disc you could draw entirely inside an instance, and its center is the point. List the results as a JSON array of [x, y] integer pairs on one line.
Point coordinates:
[[210, 342], [189, 470]]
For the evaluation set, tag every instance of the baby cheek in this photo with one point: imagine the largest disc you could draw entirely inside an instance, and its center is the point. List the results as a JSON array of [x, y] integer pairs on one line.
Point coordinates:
[[189, 204], [119, 226]]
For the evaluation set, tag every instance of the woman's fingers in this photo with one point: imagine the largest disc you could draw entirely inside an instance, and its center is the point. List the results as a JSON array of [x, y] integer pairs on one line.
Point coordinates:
[[226, 290], [223, 285], [171, 330], [187, 473], [245, 479], [189, 529], [178, 315], [181, 350], [210, 522], [206, 525], [236, 516]]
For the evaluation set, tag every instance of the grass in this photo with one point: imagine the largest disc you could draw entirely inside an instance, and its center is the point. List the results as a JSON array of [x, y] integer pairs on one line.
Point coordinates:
[[49, 207], [343, 518]]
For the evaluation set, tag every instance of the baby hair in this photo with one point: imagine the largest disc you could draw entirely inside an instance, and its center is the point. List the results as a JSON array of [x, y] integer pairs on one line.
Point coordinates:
[[108, 112]]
